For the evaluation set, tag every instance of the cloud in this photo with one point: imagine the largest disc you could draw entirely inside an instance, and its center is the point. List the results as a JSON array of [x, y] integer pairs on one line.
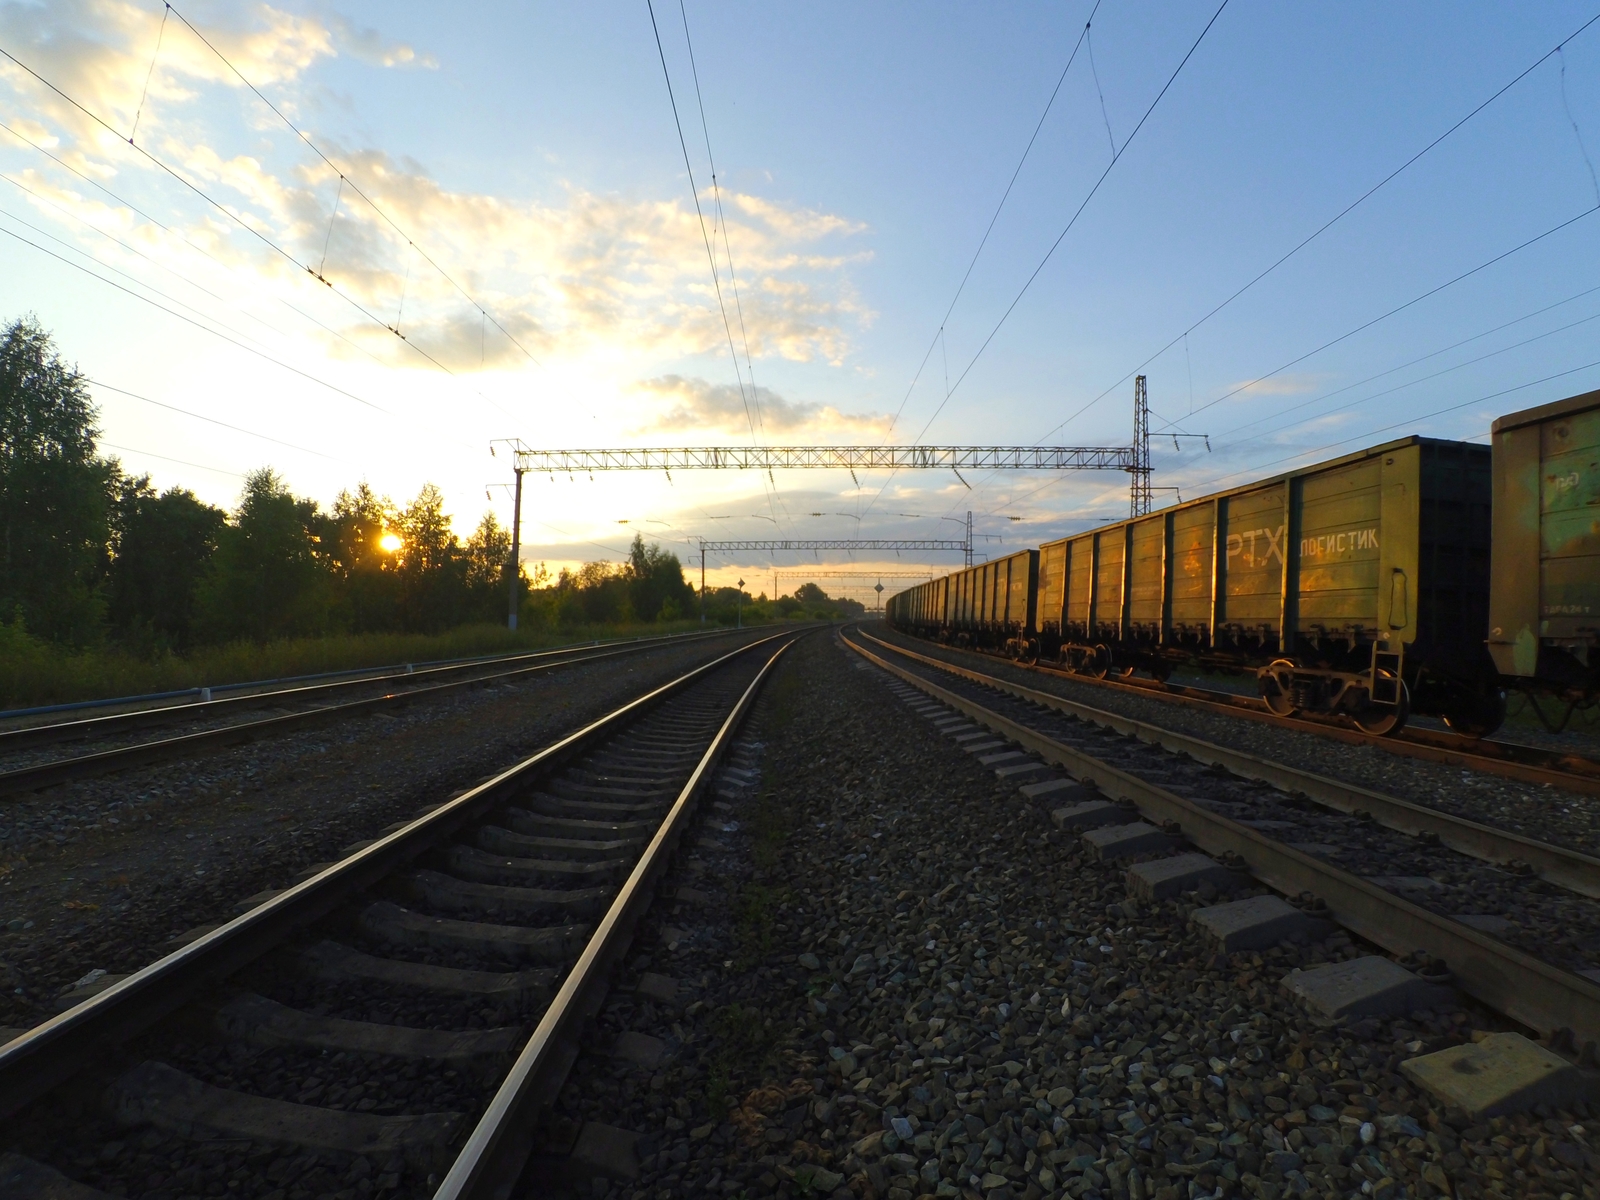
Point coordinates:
[[572, 274], [694, 404], [370, 46], [1277, 385]]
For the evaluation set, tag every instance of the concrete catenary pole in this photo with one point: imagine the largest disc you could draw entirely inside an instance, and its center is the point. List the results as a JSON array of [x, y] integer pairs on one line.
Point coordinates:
[[514, 567]]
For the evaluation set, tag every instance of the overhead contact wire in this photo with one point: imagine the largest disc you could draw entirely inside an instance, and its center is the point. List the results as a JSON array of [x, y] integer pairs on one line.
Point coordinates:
[[199, 325], [224, 209], [711, 258], [1050, 253], [733, 280], [982, 242], [1335, 219], [343, 175]]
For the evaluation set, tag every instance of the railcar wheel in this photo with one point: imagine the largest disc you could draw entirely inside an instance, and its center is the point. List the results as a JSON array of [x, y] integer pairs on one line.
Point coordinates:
[[1277, 689], [1383, 720], [1478, 716], [1098, 663]]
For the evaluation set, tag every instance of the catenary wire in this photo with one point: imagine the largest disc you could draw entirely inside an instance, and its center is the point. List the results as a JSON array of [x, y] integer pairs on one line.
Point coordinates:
[[1433, 291], [178, 233], [1438, 412], [1050, 253], [133, 279], [1332, 221], [1374, 321], [182, 462], [210, 420], [198, 325], [228, 212], [181, 236], [733, 281], [995, 216], [344, 176], [716, 195], [711, 258], [1401, 386]]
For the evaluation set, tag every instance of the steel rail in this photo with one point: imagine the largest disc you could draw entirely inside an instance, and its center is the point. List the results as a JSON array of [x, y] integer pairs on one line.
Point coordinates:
[[1569, 771], [1539, 995], [84, 766], [1570, 869], [495, 1153], [26, 736], [52, 1052]]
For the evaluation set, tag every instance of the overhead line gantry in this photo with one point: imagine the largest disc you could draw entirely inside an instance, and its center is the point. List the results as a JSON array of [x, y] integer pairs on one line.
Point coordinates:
[[1134, 459]]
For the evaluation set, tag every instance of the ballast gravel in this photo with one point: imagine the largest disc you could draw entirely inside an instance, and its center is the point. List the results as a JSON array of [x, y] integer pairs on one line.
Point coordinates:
[[896, 980], [102, 874], [1550, 814], [76, 1130]]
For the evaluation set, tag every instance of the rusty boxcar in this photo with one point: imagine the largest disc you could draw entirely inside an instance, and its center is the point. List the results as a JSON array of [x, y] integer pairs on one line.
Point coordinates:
[[1355, 586], [1358, 585], [989, 606], [1544, 596]]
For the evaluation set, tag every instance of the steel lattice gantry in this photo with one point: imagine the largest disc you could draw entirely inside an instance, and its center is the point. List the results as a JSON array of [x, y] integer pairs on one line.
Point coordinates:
[[838, 458], [774, 544], [1134, 459]]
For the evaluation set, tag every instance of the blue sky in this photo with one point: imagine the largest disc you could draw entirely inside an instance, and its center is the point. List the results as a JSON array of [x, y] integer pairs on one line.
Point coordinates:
[[530, 151]]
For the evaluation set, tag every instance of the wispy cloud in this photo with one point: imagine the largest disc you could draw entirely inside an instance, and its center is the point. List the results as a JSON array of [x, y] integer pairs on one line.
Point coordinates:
[[1277, 385], [371, 47], [568, 276], [694, 404]]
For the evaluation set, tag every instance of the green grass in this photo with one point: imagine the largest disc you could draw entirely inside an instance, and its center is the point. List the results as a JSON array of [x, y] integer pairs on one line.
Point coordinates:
[[33, 672], [740, 1044]]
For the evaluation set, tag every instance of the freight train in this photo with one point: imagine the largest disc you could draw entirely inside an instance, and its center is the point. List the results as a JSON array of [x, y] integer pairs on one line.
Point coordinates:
[[1420, 575]]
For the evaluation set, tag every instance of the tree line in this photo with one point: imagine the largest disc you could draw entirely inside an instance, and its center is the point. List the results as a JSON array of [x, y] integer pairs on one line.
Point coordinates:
[[90, 553]]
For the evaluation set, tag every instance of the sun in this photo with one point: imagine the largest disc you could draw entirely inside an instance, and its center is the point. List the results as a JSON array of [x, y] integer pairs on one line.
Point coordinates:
[[389, 543]]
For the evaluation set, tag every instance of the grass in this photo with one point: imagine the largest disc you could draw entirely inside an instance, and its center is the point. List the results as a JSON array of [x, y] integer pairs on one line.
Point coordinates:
[[741, 1042], [33, 672]]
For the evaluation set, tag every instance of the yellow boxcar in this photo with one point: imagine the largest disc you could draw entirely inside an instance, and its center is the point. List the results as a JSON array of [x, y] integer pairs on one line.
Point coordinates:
[[1544, 601], [1356, 585]]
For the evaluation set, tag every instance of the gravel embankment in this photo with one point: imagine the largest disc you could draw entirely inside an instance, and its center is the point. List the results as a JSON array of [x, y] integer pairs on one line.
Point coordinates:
[[1533, 810], [77, 1131], [101, 874], [1546, 920], [899, 982]]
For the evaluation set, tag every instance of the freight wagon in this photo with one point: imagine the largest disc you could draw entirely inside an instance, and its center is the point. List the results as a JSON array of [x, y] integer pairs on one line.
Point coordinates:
[[1544, 598], [1357, 586], [986, 607]]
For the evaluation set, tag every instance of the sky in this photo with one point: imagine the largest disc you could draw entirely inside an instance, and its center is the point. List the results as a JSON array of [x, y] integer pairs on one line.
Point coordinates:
[[362, 242]]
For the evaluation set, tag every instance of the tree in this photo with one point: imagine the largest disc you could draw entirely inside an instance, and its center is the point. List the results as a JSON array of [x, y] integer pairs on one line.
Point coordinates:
[[268, 578], [161, 551], [487, 552], [656, 587], [432, 570], [55, 491], [369, 588]]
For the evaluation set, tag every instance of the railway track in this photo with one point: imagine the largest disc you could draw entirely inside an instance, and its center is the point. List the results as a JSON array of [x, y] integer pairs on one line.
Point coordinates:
[[271, 1050], [1512, 760], [27, 773], [1513, 921]]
